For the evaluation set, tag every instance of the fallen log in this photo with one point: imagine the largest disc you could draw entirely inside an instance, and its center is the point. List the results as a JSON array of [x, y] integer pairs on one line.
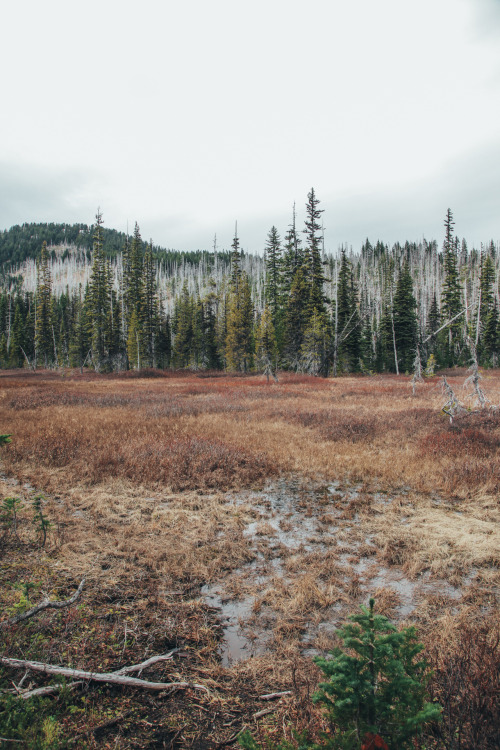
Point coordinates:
[[273, 696], [109, 677]]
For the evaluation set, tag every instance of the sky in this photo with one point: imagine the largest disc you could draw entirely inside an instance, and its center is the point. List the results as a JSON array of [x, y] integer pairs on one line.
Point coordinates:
[[188, 116]]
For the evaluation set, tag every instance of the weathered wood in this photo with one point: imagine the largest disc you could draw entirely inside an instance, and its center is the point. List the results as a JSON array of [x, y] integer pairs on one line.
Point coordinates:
[[273, 696], [109, 677], [46, 604]]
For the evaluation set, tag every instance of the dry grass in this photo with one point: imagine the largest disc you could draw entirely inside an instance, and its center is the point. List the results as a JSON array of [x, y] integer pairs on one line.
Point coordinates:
[[147, 482]]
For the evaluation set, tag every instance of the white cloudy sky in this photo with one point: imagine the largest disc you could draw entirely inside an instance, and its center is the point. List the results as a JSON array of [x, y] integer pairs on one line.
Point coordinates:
[[187, 115]]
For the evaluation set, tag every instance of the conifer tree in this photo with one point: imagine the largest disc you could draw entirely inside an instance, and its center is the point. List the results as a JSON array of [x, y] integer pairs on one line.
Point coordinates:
[[239, 343], [150, 308], [183, 328], [295, 319], [135, 351], [405, 319], [376, 685], [451, 291], [313, 263], [273, 277], [265, 343], [491, 337], [315, 345], [347, 324], [43, 326], [293, 256], [18, 336], [99, 300]]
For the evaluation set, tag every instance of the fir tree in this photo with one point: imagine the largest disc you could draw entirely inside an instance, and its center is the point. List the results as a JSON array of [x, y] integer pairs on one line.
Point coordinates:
[[491, 342], [99, 300], [377, 685], [313, 263], [405, 319], [273, 276], [315, 345], [183, 328], [239, 344], [265, 343], [451, 293], [294, 322], [43, 326]]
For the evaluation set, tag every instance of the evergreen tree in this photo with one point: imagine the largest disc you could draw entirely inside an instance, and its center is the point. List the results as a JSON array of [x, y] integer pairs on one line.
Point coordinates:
[[183, 328], [377, 684], [265, 343], [405, 320], [294, 322], [315, 345], [239, 343], [150, 308], [347, 323], [273, 276], [135, 350], [293, 256], [491, 338], [18, 336], [313, 264], [99, 300], [451, 303], [43, 327]]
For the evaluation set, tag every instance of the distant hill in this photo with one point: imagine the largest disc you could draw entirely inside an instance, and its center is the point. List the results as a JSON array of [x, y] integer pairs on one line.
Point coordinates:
[[22, 242]]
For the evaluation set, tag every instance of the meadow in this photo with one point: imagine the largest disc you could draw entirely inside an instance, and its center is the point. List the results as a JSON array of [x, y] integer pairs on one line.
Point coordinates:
[[240, 522]]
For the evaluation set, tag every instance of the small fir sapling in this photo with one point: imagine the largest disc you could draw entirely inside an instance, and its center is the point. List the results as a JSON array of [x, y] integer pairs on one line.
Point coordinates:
[[376, 693]]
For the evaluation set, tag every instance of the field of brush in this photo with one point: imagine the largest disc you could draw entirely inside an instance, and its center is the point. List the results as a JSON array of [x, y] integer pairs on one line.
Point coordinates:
[[241, 522]]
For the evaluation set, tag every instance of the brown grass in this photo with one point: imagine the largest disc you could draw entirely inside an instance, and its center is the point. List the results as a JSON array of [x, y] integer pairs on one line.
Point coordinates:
[[148, 485]]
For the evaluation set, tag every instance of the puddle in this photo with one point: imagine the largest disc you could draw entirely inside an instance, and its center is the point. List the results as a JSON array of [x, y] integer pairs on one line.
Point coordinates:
[[292, 523], [237, 644]]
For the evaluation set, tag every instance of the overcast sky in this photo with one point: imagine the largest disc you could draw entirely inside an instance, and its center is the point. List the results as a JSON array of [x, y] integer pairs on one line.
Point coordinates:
[[186, 116]]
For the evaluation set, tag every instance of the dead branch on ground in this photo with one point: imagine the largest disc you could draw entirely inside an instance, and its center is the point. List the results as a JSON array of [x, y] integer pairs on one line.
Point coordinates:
[[110, 677], [45, 604]]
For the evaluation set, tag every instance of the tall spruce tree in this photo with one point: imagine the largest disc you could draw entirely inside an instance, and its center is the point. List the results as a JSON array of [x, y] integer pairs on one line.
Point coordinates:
[[451, 294], [405, 319], [99, 300], [44, 348], [313, 263], [273, 276]]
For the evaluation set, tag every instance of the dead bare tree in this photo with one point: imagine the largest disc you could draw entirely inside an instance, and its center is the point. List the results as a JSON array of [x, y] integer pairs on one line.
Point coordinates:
[[417, 371], [452, 407], [475, 377]]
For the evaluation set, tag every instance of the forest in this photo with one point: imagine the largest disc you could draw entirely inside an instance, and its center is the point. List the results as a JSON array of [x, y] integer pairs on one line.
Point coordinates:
[[79, 296]]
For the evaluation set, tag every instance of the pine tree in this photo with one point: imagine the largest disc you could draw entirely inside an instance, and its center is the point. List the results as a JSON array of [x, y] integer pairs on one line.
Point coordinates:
[[377, 684], [43, 326], [135, 350], [313, 262], [293, 256], [405, 319], [273, 276], [315, 345], [451, 295], [294, 322], [239, 343], [265, 343], [183, 328], [491, 338], [347, 323], [99, 300], [150, 308]]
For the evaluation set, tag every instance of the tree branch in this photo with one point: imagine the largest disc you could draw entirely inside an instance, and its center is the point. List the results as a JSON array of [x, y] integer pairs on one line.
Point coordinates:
[[110, 677], [46, 604]]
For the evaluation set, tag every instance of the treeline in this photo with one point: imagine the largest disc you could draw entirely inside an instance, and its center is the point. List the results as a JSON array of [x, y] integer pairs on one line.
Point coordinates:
[[297, 308]]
